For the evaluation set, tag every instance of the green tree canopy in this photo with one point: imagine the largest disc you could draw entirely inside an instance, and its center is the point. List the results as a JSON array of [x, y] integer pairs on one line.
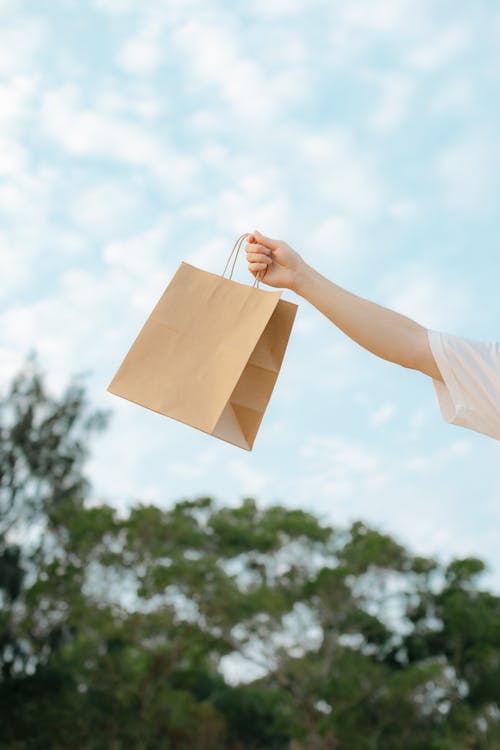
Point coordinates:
[[118, 630]]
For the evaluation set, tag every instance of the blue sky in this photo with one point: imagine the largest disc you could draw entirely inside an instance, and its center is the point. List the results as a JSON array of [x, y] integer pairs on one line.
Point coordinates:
[[136, 135]]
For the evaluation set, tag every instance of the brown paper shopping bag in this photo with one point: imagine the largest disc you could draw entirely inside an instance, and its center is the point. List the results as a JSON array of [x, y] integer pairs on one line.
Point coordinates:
[[209, 353]]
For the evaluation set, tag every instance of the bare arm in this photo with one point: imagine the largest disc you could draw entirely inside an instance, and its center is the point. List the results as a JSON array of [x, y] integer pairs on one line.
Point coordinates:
[[384, 332]]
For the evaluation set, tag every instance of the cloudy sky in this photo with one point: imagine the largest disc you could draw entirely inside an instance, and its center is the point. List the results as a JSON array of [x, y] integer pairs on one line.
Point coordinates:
[[136, 135]]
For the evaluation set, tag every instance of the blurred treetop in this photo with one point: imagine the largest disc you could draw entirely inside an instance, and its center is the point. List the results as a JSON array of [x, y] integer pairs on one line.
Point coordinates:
[[121, 631]]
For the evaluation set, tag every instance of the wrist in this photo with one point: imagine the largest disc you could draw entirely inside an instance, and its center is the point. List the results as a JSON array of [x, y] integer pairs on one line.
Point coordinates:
[[300, 277]]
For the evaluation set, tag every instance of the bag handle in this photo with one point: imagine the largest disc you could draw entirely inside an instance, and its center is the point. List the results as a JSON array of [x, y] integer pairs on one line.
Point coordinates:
[[239, 243]]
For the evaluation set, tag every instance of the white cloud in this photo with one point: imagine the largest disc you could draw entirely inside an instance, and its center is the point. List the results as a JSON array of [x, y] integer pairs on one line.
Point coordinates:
[[240, 209], [438, 460], [13, 157], [419, 419], [349, 455], [306, 322], [210, 52], [252, 197], [131, 441], [92, 312], [212, 253], [14, 266], [206, 122], [337, 363], [334, 470], [383, 414], [342, 479], [238, 669], [468, 172], [15, 96], [138, 100], [334, 241], [118, 7], [88, 132], [8, 4], [11, 362], [394, 104], [167, 7], [139, 266], [212, 57], [26, 198], [433, 300], [105, 208], [68, 243], [25, 203], [440, 50], [20, 44], [143, 52], [456, 96], [386, 16], [403, 209], [279, 7], [188, 470], [250, 479], [340, 172]]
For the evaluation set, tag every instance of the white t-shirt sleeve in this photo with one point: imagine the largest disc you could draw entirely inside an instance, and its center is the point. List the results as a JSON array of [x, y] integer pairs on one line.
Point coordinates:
[[470, 394]]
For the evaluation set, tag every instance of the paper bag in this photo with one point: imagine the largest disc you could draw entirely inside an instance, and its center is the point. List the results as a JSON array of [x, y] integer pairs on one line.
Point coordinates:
[[209, 354]]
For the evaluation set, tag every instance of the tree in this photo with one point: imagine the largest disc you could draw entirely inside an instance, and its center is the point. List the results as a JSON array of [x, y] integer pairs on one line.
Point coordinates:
[[43, 444], [116, 628]]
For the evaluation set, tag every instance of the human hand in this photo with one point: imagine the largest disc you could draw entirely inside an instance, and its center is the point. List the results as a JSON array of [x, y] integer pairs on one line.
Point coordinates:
[[273, 261]]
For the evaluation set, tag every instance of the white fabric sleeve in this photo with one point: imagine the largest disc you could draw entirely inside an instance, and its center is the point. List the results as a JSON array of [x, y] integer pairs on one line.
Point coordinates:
[[470, 394]]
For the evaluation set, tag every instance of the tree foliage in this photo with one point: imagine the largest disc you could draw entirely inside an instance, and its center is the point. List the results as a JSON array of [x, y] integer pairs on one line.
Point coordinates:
[[118, 630]]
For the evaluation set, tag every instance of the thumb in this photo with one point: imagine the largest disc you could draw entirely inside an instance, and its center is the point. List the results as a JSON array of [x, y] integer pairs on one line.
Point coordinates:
[[267, 241]]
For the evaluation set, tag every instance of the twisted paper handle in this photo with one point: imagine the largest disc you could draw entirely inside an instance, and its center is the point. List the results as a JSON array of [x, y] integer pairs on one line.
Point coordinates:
[[238, 244]]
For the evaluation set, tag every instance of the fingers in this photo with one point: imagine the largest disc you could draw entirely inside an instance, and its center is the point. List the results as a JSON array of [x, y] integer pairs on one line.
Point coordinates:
[[254, 267], [256, 248], [263, 240], [259, 257]]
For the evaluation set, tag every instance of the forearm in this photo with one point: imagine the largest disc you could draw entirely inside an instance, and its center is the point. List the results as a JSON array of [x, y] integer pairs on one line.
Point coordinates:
[[384, 332]]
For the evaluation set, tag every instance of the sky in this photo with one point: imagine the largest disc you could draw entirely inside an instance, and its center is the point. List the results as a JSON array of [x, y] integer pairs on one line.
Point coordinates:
[[135, 136]]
